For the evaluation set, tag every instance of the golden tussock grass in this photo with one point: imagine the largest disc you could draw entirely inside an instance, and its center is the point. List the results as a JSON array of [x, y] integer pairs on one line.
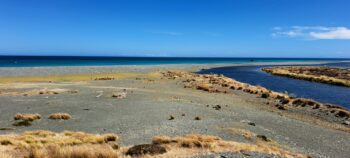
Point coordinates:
[[327, 75], [82, 151], [68, 144], [27, 117], [57, 116], [195, 144], [245, 133], [41, 138]]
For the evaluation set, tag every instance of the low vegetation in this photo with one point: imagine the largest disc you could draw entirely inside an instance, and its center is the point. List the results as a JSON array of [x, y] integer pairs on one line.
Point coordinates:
[[193, 144], [329, 75], [27, 117], [60, 116], [68, 144]]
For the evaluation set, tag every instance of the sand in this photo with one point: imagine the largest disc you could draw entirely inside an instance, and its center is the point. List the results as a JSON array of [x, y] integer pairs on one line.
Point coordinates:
[[150, 101]]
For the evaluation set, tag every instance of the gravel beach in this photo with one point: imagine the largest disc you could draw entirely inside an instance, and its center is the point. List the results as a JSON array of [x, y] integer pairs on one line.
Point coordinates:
[[155, 105]]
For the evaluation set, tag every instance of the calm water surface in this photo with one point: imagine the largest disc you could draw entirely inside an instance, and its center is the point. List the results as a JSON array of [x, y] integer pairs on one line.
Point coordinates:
[[318, 91], [31, 61]]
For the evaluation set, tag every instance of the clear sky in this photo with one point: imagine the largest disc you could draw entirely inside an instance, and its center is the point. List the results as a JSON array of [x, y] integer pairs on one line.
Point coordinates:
[[225, 28]]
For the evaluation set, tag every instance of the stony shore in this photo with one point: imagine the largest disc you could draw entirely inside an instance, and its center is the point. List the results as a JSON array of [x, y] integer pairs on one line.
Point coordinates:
[[189, 115]]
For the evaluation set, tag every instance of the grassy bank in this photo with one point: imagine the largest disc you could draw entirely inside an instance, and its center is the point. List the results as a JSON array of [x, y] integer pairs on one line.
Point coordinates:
[[328, 75]]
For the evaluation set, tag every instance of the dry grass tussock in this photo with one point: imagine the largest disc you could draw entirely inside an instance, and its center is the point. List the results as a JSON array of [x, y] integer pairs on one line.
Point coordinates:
[[245, 133], [57, 116], [68, 144], [46, 144], [83, 151], [329, 75], [27, 117], [198, 144], [42, 138]]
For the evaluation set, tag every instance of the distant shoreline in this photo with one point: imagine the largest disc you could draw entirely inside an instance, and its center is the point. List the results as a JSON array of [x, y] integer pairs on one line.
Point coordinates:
[[59, 70], [57, 61]]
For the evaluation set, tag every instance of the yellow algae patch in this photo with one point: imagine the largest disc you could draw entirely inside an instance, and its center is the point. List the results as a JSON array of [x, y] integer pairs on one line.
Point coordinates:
[[78, 77]]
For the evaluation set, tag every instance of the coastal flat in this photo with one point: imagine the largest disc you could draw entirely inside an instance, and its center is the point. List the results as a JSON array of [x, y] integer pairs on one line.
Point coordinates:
[[151, 101]]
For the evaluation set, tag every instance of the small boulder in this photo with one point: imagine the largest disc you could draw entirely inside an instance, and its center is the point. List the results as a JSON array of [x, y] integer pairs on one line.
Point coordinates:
[[265, 95], [251, 123], [284, 101], [263, 137], [347, 122], [280, 107], [143, 149], [119, 95], [171, 117], [217, 107]]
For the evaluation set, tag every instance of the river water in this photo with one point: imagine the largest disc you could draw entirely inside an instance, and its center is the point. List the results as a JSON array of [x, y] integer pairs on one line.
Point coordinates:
[[321, 92]]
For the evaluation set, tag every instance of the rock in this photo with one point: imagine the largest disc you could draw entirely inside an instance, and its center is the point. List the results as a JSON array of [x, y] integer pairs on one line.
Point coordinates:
[[280, 107], [244, 152], [6, 128], [251, 123], [248, 122], [5, 142], [342, 114], [217, 107], [265, 95], [284, 101], [171, 117], [143, 149], [197, 118], [347, 122], [182, 114], [264, 138], [120, 95]]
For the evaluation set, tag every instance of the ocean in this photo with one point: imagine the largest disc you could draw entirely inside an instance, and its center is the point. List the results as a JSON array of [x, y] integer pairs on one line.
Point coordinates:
[[37, 61]]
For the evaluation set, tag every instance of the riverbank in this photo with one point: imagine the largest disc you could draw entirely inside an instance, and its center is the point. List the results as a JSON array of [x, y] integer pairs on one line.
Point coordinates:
[[149, 104], [328, 75]]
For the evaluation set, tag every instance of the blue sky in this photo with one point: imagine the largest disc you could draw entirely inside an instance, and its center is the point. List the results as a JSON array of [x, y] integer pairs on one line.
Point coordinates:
[[224, 28]]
